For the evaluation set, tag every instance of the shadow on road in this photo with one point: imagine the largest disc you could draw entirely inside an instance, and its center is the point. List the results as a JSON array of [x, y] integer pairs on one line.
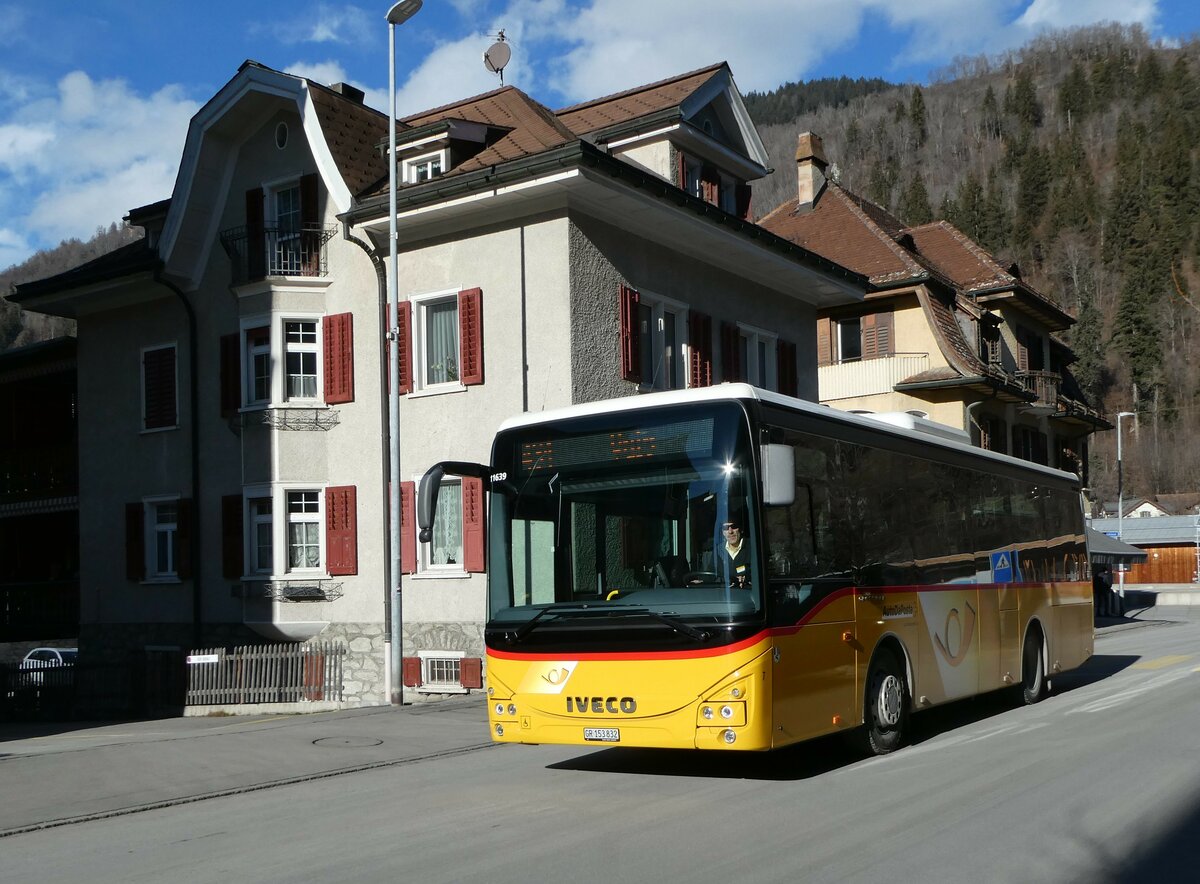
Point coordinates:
[[822, 755]]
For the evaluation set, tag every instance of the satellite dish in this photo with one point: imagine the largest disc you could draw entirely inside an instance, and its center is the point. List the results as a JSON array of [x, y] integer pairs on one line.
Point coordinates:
[[497, 56]]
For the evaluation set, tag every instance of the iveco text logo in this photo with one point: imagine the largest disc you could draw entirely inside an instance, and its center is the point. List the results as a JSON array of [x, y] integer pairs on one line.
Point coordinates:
[[600, 705]]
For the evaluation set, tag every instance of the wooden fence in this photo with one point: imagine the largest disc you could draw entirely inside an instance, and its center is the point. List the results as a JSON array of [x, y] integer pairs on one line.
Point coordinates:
[[284, 673]]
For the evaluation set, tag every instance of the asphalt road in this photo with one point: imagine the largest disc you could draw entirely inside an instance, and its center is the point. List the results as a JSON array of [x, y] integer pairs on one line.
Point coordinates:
[[1098, 783]]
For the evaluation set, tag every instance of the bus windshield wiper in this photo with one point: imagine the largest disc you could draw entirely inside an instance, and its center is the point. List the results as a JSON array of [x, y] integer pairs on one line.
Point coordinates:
[[675, 622], [531, 624]]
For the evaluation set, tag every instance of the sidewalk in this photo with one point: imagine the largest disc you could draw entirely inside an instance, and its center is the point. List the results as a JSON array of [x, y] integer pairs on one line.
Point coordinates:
[[53, 773]]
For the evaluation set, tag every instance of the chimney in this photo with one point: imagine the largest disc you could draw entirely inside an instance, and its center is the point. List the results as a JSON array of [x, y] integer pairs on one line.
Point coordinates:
[[348, 92], [810, 169]]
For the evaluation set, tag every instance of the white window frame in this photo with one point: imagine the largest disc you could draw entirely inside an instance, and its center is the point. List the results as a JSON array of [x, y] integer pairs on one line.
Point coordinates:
[[272, 191], [420, 304], [765, 376], [253, 519], [659, 308], [426, 569], [431, 687], [317, 517], [838, 323], [301, 347], [172, 345], [278, 352], [411, 167], [151, 530]]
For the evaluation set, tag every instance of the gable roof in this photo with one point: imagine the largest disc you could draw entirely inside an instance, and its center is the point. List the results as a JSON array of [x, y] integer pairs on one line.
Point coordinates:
[[852, 231], [621, 107], [976, 273]]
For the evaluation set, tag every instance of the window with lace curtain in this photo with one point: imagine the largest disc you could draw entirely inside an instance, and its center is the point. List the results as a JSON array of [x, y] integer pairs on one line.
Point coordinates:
[[445, 551], [304, 530]]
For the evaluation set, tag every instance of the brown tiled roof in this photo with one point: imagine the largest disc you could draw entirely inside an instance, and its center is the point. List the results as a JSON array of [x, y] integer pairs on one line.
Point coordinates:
[[633, 103], [850, 230], [953, 343], [959, 257], [531, 127], [352, 132]]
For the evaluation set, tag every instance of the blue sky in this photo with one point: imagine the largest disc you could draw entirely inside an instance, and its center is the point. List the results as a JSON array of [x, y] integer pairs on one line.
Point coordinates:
[[95, 97]]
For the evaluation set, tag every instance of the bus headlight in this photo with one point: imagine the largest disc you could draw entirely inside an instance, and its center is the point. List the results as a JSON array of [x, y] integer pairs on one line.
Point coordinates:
[[727, 712], [499, 730], [512, 708], [727, 735], [730, 714], [499, 708], [707, 712]]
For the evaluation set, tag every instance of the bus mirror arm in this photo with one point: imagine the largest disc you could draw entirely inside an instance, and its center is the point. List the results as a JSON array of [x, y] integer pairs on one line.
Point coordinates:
[[430, 484]]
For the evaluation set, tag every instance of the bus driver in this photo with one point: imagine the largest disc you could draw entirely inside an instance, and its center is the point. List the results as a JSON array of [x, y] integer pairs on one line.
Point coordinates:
[[734, 556]]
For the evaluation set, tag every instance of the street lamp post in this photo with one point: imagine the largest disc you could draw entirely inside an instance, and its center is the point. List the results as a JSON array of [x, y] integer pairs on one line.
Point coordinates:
[[397, 15], [1121, 502]]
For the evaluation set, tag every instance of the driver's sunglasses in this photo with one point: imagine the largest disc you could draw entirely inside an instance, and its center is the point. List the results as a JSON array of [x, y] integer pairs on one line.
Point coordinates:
[[729, 526]]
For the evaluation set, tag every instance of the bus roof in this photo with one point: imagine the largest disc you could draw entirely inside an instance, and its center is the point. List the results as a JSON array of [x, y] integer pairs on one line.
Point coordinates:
[[902, 426]]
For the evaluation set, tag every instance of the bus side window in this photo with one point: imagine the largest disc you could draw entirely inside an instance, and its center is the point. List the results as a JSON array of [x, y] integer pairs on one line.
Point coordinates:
[[791, 535]]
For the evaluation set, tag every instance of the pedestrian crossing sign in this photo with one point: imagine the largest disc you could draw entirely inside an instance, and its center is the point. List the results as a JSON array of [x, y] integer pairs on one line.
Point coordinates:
[[1002, 569]]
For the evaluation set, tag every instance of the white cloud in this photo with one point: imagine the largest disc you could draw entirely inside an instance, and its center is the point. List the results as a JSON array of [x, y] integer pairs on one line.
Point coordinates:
[[14, 248], [452, 71], [81, 157], [1072, 13], [325, 23]]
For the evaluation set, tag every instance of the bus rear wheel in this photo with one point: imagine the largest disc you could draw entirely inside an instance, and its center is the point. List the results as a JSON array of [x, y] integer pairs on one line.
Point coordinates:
[[1034, 685], [885, 712]]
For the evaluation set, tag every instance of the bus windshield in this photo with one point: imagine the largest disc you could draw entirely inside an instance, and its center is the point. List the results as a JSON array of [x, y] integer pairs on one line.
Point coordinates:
[[626, 513]]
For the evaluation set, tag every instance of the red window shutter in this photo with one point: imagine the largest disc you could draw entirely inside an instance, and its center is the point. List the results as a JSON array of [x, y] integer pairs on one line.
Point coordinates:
[[824, 341], [628, 299], [339, 358], [410, 671], [470, 672], [743, 194], [408, 527], [785, 361], [183, 540], [158, 379], [731, 369], [404, 322], [474, 523], [256, 235], [232, 546], [231, 375], [135, 541], [470, 336], [341, 530], [699, 350]]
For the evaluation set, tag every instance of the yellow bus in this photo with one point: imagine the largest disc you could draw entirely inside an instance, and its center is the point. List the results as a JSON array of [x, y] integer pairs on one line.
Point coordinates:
[[730, 568]]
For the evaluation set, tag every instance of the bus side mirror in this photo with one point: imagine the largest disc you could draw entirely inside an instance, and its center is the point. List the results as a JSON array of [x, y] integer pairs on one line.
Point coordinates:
[[431, 483], [778, 475]]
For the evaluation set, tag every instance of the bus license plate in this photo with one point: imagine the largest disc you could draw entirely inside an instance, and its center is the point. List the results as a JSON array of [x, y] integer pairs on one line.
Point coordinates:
[[602, 734]]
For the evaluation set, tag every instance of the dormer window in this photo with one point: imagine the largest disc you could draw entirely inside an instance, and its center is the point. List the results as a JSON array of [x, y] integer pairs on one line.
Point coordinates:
[[423, 168]]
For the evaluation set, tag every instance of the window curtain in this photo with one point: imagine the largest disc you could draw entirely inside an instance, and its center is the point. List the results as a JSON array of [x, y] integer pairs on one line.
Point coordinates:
[[441, 360], [447, 547]]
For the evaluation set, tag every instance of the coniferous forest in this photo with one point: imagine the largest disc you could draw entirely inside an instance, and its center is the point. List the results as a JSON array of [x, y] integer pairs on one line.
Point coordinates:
[[1073, 156]]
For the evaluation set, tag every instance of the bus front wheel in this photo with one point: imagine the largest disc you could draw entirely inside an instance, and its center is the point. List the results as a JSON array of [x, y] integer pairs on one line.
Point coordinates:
[[885, 713], [1034, 685]]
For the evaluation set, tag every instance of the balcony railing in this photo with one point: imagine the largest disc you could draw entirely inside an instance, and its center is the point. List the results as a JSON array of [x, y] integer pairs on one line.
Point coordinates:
[[44, 472], [866, 377], [1044, 384], [278, 252]]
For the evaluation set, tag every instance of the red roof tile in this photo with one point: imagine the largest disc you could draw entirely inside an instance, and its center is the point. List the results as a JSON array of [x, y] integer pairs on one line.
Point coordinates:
[[633, 103]]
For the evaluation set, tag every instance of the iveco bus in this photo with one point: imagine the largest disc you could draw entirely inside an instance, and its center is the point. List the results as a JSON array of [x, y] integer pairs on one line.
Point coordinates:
[[888, 569]]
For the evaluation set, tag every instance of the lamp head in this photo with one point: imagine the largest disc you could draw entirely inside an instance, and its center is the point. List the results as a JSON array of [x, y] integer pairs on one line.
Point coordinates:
[[1126, 414], [403, 11]]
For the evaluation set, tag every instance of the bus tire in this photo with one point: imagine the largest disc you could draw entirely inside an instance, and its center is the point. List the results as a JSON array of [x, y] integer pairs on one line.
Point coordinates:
[[1034, 684], [885, 705]]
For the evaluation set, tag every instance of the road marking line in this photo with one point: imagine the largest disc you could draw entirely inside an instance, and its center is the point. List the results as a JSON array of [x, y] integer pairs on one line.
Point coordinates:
[[1162, 662]]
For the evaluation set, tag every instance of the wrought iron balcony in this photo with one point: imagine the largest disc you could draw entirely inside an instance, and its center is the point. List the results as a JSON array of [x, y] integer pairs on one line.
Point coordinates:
[[278, 251], [1046, 385]]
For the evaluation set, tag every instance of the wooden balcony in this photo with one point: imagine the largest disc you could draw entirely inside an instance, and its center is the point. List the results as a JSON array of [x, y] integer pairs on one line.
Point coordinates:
[[1046, 385]]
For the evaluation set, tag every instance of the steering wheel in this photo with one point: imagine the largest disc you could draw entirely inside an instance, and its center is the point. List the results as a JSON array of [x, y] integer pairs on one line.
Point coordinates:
[[702, 578]]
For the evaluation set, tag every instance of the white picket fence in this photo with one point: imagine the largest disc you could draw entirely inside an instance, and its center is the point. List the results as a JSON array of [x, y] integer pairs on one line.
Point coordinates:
[[283, 673]]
